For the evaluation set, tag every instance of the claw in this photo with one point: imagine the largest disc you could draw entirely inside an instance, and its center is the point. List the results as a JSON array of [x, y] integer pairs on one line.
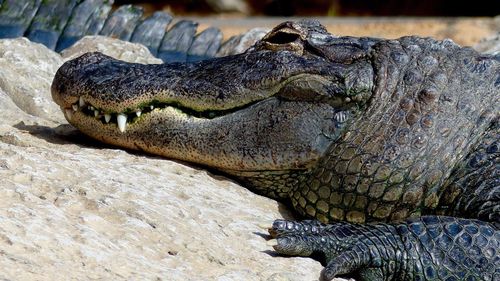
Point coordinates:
[[265, 225], [272, 242]]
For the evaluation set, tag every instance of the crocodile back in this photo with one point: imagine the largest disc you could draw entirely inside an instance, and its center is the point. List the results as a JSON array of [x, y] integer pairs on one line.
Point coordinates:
[[431, 106]]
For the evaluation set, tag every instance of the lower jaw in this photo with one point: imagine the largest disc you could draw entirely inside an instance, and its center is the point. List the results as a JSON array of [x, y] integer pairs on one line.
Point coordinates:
[[124, 135], [144, 134]]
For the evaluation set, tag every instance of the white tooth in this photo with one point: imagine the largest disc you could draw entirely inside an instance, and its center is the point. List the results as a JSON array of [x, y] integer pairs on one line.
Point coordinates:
[[340, 117], [81, 102], [90, 107], [75, 107], [107, 117], [96, 113], [152, 107], [138, 113], [69, 113], [122, 122]]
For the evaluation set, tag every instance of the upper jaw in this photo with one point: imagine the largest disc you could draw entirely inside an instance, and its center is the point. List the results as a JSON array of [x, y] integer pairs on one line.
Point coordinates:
[[219, 84]]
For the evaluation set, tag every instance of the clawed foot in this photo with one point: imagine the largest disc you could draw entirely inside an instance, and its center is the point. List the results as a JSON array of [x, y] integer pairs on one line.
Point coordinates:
[[427, 248], [335, 246]]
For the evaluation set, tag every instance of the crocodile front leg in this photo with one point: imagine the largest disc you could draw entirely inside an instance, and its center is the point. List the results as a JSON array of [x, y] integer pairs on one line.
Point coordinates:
[[427, 248]]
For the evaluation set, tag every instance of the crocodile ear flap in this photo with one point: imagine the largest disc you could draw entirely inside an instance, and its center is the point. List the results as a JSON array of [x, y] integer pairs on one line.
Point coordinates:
[[291, 31], [291, 35], [344, 50], [285, 36]]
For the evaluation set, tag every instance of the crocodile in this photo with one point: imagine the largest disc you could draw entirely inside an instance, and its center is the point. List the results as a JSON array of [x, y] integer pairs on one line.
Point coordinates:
[[388, 149]]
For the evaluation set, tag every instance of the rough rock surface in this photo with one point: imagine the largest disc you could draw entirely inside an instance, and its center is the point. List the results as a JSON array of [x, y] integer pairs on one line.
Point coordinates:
[[76, 208], [489, 45], [26, 72], [111, 47]]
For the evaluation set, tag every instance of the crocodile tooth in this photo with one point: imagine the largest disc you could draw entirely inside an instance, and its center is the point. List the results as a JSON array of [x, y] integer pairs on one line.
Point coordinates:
[[75, 107], [107, 117], [122, 122], [138, 113], [69, 113], [81, 102], [340, 117], [151, 107], [96, 113]]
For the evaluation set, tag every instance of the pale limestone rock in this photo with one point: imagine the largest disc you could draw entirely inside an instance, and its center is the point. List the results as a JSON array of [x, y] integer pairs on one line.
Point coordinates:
[[75, 209], [490, 45], [112, 47], [11, 113], [26, 72]]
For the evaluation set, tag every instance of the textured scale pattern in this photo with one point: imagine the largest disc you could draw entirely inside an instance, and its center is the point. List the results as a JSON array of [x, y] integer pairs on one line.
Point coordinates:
[[59, 24], [427, 144], [426, 248], [395, 161], [481, 169]]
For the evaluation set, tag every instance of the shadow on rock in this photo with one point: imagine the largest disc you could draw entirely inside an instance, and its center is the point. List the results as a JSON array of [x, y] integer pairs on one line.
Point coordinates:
[[66, 134], [62, 134]]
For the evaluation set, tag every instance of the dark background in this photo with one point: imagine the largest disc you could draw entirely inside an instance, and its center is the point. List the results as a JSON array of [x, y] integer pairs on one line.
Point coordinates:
[[446, 8]]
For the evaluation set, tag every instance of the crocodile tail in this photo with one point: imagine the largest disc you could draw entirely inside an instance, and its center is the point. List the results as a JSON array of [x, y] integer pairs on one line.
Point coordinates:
[[59, 24]]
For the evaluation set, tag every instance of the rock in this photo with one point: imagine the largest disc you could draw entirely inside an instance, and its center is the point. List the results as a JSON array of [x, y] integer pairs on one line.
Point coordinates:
[[490, 45], [26, 73], [112, 47], [77, 208], [11, 113]]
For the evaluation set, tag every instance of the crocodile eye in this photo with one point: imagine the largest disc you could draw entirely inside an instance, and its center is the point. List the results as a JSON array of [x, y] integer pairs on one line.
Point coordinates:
[[282, 38], [285, 39]]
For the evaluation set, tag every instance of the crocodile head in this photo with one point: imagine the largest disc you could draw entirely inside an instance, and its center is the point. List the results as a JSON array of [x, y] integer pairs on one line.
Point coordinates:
[[276, 107]]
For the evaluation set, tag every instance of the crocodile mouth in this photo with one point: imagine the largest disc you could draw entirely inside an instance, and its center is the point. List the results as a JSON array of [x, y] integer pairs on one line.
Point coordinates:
[[265, 135], [99, 88], [249, 112], [131, 116]]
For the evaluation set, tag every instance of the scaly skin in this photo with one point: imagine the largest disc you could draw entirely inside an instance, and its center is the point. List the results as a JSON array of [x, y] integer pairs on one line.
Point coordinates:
[[400, 134], [58, 24], [464, 249]]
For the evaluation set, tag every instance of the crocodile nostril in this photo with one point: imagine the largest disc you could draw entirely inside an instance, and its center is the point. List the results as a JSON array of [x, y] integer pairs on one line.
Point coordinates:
[[282, 38]]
